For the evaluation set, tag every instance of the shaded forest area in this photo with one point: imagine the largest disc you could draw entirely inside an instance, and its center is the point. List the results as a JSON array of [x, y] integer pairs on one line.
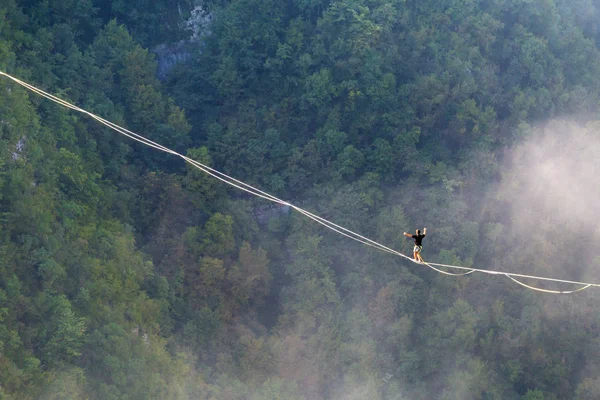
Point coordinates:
[[126, 275]]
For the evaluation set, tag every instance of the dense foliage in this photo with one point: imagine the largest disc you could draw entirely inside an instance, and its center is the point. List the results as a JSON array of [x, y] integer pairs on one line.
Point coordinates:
[[125, 274]]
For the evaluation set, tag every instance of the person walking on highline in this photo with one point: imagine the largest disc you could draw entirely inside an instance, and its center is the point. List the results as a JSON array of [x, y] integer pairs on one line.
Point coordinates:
[[418, 244]]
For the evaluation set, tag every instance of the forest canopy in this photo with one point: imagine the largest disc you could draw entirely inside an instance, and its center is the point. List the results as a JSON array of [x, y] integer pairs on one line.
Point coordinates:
[[125, 274]]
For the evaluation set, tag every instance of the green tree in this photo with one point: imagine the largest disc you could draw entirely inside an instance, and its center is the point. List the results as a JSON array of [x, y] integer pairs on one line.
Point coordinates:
[[63, 335], [533, 395], [275, 388], [250, 278], [217, 235]]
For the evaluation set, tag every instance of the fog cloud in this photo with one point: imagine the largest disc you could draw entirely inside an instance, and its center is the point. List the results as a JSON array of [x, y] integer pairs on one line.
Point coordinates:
[[550, 187]]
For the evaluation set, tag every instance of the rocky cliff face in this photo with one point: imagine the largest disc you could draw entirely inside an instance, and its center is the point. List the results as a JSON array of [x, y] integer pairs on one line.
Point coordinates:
[[199, 23], [170, 54]]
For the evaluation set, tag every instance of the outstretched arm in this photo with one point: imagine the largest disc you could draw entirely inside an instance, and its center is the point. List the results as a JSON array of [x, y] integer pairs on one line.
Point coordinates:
[[407, 235], [424, 231]]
